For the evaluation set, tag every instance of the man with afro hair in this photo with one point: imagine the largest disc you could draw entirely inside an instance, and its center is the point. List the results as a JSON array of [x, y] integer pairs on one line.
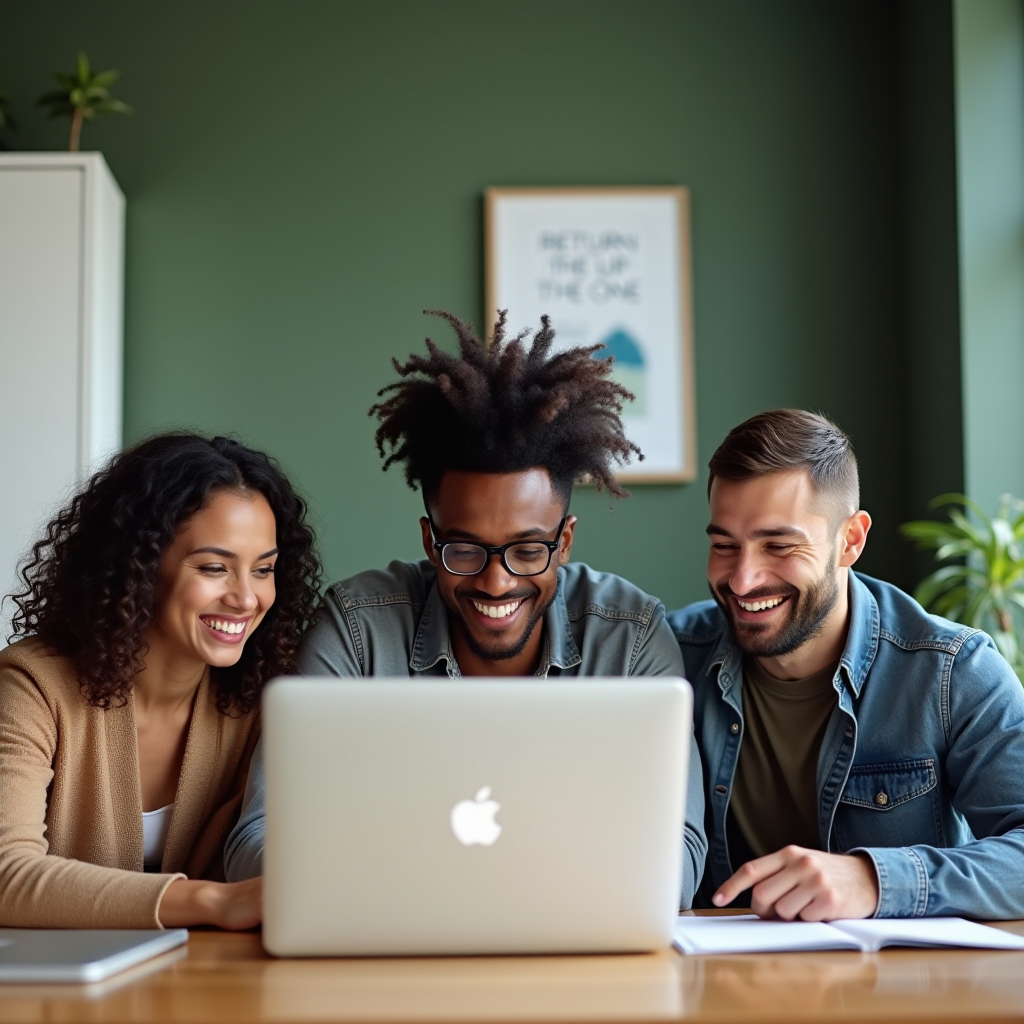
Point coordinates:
[[494, 438]]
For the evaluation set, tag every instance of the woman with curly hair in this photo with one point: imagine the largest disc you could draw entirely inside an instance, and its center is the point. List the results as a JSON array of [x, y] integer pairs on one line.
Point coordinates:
[[156, 606]]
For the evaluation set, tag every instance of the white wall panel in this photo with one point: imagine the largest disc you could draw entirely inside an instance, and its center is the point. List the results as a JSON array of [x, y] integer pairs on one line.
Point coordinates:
[[61, 301]]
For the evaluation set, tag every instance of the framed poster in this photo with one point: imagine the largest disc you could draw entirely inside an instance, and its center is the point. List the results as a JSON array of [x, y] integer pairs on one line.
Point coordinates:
[[610, 266]]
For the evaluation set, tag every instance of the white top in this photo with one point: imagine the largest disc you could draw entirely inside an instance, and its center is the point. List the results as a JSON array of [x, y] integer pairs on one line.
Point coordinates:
[[154, 835]]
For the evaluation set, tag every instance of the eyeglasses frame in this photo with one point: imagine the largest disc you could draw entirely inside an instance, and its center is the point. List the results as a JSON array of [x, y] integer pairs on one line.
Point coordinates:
[[500, 549]]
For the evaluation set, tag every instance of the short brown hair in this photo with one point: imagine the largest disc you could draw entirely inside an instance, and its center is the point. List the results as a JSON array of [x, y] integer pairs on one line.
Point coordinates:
[[788, 439]]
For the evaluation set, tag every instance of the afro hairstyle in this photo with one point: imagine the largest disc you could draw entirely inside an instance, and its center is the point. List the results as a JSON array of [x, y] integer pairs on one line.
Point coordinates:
[[504, 407]]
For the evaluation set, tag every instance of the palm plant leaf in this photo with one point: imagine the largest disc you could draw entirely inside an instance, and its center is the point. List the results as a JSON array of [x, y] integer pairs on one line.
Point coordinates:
[[951, 604], [982, 581], [82, 96], [113, 107], [940, 582], [978, 604], [105, 79], [952, 498], [981, 538], [925, 532], [954, 549]]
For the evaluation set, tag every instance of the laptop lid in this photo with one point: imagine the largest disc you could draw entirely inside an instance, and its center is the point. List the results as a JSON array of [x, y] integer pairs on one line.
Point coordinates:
[[483, 816]]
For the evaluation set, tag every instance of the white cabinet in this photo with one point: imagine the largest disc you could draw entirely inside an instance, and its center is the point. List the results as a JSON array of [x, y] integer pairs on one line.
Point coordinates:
[[61, 338]]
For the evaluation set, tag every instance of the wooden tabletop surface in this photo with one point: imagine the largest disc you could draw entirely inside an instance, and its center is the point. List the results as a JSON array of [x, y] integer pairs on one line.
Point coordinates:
[[227, 978]]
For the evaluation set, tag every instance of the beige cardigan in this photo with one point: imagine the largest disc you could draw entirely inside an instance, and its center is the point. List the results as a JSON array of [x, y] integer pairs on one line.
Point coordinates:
[[71, 803]]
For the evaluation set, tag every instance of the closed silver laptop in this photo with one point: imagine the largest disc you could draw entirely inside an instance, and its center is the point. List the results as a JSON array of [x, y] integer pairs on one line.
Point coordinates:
[[467, 817], [85, 955]]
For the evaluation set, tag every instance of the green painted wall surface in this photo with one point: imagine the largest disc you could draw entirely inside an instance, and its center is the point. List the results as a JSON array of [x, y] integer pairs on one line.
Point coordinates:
[[304, 178], [990, 151], [934, 402]]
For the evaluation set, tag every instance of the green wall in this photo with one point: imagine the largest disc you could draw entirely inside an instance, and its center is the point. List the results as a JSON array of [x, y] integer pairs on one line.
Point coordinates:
[[933, 458], [990, 148], [304, 178]]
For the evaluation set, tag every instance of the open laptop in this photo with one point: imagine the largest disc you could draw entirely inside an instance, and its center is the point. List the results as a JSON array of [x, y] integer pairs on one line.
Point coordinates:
[[466, 817]]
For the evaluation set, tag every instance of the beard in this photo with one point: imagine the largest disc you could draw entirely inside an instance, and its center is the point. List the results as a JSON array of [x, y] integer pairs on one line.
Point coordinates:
[[808, 611], [497, 649]]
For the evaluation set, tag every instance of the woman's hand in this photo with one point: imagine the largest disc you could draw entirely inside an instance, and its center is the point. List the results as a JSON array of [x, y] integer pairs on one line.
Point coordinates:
[[231, 905]]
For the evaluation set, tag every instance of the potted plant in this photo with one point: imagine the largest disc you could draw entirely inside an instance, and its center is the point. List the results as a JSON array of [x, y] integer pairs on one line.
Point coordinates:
[[82, 96], [981, 582]]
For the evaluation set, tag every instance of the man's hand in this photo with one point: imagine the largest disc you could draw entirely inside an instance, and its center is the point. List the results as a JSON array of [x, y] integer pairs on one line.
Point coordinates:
[[808, 884]]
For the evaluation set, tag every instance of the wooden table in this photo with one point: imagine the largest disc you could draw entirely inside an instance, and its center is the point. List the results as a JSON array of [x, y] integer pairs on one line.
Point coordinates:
[[227, 978]]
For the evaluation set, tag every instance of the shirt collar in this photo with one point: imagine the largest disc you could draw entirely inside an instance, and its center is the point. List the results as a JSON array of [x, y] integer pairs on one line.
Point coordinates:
[[433, 641], [858, 653], [862, 638]]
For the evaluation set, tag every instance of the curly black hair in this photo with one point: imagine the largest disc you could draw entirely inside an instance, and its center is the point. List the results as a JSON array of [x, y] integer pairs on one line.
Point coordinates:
[[90, 583], [503, 408]]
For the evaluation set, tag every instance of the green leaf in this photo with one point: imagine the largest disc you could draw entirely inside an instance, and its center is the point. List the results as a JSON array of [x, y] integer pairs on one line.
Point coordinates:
[[980, 537], [951, 604], [115, 108], [939, 582], [83, 93], [954, 549], [959, 499], [1004, 536], [930, 534]]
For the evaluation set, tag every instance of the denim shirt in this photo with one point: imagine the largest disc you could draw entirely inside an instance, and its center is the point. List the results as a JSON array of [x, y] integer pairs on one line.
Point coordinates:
[[393, 622], [922, 762]]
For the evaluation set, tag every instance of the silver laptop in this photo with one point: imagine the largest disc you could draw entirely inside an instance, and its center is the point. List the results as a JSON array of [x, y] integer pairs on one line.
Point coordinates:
[[54, 954], [466, 817]]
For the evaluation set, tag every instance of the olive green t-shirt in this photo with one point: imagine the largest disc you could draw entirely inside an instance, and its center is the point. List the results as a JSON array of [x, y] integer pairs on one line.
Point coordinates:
[[774, 795]]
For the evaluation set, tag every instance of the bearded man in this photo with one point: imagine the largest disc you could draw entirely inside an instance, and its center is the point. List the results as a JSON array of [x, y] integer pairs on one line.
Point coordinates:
[[494, 438], [862, 757]]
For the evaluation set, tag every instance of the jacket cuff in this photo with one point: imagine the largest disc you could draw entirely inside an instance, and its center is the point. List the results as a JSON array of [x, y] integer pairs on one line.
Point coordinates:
[[902, 881], [166, 880]]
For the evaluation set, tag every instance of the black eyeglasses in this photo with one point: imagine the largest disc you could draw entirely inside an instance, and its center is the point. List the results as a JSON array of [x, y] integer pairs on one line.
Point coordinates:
[[521, 557]]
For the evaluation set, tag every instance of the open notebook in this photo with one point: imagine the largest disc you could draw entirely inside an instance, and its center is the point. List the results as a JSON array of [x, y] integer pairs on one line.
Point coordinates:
[[747, 933]]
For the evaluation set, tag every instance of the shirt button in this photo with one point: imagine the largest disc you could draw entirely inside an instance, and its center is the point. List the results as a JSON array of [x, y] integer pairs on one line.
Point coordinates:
[[734, 728], [881, 799]]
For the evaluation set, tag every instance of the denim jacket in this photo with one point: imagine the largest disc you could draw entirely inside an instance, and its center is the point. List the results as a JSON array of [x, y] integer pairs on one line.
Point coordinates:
[[922, 762], [394, 623]]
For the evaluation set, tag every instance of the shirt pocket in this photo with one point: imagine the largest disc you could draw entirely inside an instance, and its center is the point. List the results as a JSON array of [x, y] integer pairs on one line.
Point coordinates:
[[890, 804]]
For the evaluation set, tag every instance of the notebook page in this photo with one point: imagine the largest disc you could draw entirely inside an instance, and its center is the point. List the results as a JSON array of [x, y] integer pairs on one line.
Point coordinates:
[[875, 933], [747, 933]]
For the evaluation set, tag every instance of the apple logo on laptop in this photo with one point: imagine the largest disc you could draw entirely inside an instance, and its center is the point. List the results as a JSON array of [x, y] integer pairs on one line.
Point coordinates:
[[473, 820]]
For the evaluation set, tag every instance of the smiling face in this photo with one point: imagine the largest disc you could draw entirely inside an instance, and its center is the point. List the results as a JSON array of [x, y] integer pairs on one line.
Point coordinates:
[[216, 581], [493, 615], [777, 563]]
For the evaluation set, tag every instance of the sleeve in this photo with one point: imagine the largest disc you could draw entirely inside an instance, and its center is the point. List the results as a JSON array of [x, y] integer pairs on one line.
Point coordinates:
[[333, 645], [983, 711], [243, 852], [659, 655], [37, 889]]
